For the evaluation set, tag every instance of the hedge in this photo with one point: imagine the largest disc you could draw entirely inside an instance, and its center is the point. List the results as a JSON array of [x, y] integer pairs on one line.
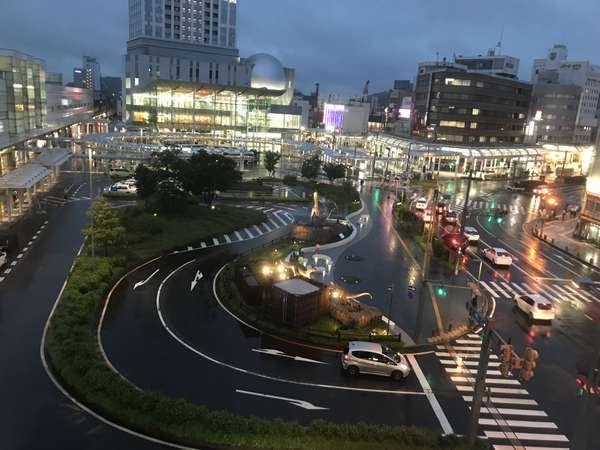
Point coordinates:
[[75, 358]]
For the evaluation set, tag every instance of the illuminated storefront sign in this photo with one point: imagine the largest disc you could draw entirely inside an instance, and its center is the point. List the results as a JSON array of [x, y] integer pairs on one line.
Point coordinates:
[[333, 116]]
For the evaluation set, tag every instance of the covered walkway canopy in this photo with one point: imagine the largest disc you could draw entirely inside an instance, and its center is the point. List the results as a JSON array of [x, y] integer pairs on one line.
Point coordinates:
[[53, 157], [24, 177]]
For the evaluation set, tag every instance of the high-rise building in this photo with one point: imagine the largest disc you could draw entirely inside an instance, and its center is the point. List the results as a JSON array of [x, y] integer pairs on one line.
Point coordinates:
[[78, 77], [459, 106], [566, 102], [493, 63], [208, 22], [183, 72], [91, 74]]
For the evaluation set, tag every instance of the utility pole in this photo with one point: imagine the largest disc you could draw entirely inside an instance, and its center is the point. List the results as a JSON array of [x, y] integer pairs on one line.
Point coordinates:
[[429, 243], [91, 167], [391, 291], [479, 389], [463, 218]]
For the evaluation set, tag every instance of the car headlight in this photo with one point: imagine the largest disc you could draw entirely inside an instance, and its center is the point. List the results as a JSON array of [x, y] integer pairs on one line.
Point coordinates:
[[403, 367]]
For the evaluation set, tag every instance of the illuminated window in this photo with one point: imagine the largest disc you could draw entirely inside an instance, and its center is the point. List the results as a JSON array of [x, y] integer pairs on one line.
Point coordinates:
[[457, 82], [473, 125], [475, 111], [452, 124]]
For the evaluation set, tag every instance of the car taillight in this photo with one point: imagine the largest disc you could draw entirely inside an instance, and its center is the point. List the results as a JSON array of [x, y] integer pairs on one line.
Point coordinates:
[[545, 306], [345, 357]]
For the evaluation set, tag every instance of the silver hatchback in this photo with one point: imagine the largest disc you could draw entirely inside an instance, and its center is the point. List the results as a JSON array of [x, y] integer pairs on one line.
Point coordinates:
[[376, 359]]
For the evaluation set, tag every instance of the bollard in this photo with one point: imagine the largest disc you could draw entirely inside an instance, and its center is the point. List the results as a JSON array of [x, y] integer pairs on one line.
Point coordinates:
[[400, 337]]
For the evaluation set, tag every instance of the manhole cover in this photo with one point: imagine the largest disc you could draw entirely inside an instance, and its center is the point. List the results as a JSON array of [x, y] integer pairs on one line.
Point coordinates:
[[349, 279], [354, 258]]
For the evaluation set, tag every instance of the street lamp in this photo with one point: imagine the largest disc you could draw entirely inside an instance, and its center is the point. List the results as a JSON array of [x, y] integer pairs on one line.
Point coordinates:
[[391, 291]]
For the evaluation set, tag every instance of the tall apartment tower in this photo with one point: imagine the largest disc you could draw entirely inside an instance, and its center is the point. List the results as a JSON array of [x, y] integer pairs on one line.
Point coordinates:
[[91, 74], [207, 22]]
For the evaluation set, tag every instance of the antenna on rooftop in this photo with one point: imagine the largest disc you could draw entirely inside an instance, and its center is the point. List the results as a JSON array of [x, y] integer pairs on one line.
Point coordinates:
[[499, 45]]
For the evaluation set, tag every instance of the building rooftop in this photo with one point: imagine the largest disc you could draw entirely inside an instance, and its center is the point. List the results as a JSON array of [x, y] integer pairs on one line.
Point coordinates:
[[297, 287]]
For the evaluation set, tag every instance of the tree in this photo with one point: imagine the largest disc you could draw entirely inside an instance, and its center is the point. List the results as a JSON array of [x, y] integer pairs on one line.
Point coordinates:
[[105, 229], [146, 181], [311, 167], [204, 174], [271, 160], [334, 171]]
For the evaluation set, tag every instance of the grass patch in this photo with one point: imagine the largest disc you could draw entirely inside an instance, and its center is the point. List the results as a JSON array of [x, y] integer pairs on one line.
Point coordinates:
[[120, 195], [149, 234], [345, 196], [75, 358]]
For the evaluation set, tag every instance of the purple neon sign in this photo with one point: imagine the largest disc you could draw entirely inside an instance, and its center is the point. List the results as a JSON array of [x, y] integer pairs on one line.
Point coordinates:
[[333, 116]]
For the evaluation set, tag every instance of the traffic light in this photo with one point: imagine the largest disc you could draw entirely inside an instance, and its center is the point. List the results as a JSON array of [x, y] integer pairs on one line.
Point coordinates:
[[529, 363], [441, 291], [505, 357], [499, 220]]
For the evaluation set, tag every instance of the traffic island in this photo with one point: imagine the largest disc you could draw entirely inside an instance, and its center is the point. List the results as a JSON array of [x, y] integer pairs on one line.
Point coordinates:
[[277, 296], [74, 359]]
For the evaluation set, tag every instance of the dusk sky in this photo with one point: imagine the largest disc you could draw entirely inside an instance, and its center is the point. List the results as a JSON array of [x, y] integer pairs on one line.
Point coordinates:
[[339, 43]]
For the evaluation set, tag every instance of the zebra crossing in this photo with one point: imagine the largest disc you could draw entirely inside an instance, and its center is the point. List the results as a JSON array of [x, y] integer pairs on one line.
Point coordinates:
[[278, 218], [551, 291], [481, 205], [511, 418], [55, 200]]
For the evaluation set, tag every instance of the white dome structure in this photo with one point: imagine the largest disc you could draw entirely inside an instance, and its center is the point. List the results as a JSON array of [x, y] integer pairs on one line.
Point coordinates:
[[267, 73]]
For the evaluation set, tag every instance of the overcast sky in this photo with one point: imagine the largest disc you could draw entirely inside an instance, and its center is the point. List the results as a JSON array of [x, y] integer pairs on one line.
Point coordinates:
[[339, 43]]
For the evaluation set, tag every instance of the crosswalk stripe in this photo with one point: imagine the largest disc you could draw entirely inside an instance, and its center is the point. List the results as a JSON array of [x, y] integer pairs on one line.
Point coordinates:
[[249, 233], [215, 241], [467, 349], [463, 355], [451, 362], [227, 239], [473, 335], [203, 244], [272, 222], [587, 294], [496, 390], [506, 400], [569, 288], [487, 380], [264, 224], [508, 288], [239, 236], [518, 423], [489, 289], [260, 233], [520, 289], [504, 207], [527, 436], [502, 291], [469, 341], [558, 294], [514, 412], [472, 372]]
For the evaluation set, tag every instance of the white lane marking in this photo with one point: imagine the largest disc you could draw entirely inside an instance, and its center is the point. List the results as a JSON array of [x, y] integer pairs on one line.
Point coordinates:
[[461, 370], [451, 362], [260, 233], [469, 341], [300, 403], [7, 271], [13, 264], [264, 224], [514, 412], [227, 238], [489, 289], [30, 242], [238, 235], [520, 289], [487, 380], [569, 288], [203, 244], [143, 282], [495, 390], [507, 401], [250, 235], [527, 447], [466, 349], [564, 260], [267, 210], [502, 291], [215, 241], [508, 288], [588, 317], [20, 255], [463, 355], [249, 372], [283, 222], [274, 224], [437, 409], [273, 352], [587, 294], [473, 336], [559, 295], [2, 279], [526, 436], [518, 423], [199, 275]]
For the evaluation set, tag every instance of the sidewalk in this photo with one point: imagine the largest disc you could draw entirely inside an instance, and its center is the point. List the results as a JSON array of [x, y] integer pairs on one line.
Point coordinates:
[[560, 233]]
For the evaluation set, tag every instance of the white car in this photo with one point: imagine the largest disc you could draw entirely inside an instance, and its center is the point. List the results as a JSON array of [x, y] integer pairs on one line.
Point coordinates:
[[535, 306], [421, 204], [2, 258], [498, 256], [122, 187], [471, 234]]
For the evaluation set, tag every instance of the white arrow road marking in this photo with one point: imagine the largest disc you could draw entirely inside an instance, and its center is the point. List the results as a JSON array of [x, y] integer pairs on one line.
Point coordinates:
[[273, 352], [300, 403], [143, 282], [197, 278]]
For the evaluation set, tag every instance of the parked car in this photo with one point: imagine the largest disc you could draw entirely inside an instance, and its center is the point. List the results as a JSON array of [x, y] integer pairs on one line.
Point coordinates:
[[376, 359], [421, 204], [471, 234], [122, 187], [535, 306], [498, 256]]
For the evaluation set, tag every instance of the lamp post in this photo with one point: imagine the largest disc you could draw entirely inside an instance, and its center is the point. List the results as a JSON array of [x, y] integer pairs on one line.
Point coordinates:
[[391, 291], [90, 163]]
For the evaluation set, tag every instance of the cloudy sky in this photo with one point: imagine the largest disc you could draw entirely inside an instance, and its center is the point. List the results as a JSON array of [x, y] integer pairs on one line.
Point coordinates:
[[339, 43]]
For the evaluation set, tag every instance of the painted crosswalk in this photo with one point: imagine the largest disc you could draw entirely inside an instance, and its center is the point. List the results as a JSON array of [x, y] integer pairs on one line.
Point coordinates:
[[509, 415], [551, 291], [482, 206]]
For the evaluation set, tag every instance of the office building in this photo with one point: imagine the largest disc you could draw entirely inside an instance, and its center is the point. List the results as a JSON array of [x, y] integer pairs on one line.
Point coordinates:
[[208, 22], [456, 105], [54, 78], [589, 223], [566, 103], [91, 74], [182, 72], [493, 63], [78, 77]]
